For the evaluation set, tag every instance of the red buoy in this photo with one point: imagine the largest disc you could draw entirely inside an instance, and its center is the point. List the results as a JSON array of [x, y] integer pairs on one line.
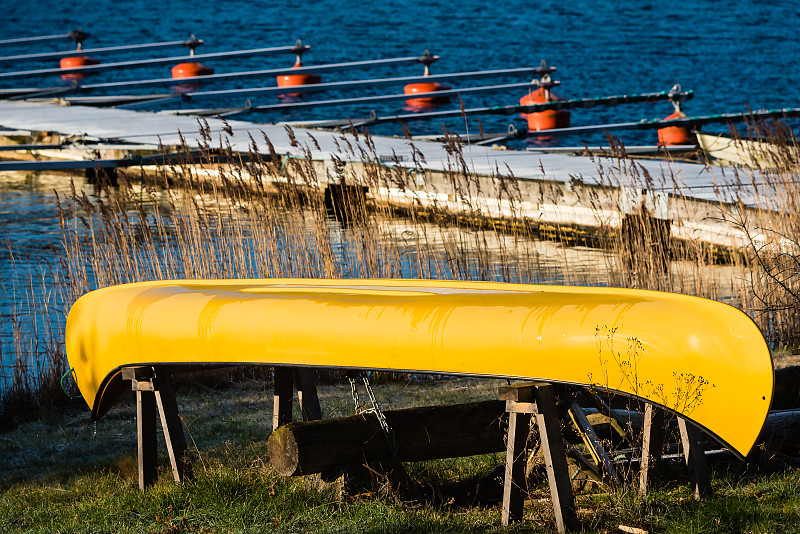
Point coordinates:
[[289, 80], [675, 135], [549, 118], [74, 62], [190, 70]]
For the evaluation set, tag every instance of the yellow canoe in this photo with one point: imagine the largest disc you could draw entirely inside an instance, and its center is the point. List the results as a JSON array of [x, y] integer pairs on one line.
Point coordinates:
[[704, 360]]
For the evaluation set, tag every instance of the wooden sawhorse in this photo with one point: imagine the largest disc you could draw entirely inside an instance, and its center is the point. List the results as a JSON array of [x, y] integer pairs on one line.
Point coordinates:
[[653, 435], [154, 391], [539, 400]]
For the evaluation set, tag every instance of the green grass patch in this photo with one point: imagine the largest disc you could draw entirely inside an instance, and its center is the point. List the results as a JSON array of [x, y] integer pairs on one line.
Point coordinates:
[[61, 474]]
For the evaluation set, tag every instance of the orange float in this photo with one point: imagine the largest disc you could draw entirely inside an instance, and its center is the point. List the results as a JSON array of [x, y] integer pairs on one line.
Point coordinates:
[[549, 118], [190, 70], [290, 80], [426, 87], [75, 62], [675, 135]]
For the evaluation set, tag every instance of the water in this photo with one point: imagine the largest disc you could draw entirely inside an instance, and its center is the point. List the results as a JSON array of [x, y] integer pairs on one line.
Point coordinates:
[[733, 54]]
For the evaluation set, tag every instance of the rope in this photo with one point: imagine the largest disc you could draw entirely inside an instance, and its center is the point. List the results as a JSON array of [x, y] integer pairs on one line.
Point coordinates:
[[64, 388]]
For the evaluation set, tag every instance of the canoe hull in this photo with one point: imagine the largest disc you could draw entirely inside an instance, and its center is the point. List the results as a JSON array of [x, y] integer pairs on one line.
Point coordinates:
[[693, 356]]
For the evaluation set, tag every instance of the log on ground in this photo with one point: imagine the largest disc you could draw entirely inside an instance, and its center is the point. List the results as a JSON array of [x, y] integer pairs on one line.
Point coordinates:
[[426, 433]]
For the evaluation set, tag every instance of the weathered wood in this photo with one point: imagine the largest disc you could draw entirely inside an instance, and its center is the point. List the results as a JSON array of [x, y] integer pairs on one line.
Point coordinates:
[[593, 442], [516, 392], [695, 456], [555, 459], [426, 433], [172, 427], [307, 393], [653, 433], [146, 438], [514, 487], [282, 398]]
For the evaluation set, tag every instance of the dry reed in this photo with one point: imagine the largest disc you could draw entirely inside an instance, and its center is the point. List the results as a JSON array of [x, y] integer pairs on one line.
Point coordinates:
[[266, 216]]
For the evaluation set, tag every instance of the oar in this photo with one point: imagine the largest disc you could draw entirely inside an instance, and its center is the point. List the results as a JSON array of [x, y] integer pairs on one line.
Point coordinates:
[[513, 109], [361, 100], [191, 43], [646, 124], [153, 61], [35, 39]]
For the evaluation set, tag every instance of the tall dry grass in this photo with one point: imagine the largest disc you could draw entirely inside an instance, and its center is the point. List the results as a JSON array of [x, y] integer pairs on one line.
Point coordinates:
[[265, 216]]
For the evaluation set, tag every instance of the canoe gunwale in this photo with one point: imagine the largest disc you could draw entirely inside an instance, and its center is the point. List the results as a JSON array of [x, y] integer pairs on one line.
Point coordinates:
[[114, 384]]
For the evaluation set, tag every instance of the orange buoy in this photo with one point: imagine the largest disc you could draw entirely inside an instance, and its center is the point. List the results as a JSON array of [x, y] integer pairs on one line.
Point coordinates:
[[549, 118], [675, 135], [289, 80], [190, 70], [75, 62], [426, 87]]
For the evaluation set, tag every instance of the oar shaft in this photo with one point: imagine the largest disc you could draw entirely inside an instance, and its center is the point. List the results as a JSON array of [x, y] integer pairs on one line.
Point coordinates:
[[388, 98], [315, 69], [23, 40], [149, 62], [533, 108], [648, 124], [92, 51]]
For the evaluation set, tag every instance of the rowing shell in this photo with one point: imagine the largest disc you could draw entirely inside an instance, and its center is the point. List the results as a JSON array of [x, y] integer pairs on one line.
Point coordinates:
[[704, 360]]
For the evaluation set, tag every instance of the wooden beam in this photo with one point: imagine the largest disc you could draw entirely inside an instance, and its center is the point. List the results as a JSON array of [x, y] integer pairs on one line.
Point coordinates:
[[282, 399], [172, 427], [307, 397], [695, 457], [555, 459], [653, 433]]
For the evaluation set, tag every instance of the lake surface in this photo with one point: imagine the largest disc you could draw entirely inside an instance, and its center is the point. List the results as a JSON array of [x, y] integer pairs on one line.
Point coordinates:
[[734, 55]]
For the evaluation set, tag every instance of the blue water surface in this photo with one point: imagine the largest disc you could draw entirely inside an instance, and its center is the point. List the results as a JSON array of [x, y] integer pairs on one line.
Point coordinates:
[[735, 55]]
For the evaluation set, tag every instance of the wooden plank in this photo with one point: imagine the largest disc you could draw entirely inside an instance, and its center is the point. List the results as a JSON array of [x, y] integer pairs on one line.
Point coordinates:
[[555, 459], [695, 458], [172, 427], [593, 442], [306, 379], [282, 399], [653, 433], [514, 484], [146, 438]]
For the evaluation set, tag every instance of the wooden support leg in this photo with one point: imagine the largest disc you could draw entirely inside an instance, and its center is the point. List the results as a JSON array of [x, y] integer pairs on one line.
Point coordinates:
[[146, 432], [172, 427], [653, 434], [555, 459], [513, 496], [282, 400], [695, 458], [306, 379]]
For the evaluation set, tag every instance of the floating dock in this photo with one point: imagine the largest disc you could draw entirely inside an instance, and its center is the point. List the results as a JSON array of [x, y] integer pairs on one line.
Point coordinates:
[[554, 188]]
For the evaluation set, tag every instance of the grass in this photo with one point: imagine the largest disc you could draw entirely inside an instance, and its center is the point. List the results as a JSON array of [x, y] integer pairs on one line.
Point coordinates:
[[59, 475]]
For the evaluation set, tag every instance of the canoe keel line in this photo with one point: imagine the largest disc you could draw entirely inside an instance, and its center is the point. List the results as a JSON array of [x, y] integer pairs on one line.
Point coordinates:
[[701, 359]]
